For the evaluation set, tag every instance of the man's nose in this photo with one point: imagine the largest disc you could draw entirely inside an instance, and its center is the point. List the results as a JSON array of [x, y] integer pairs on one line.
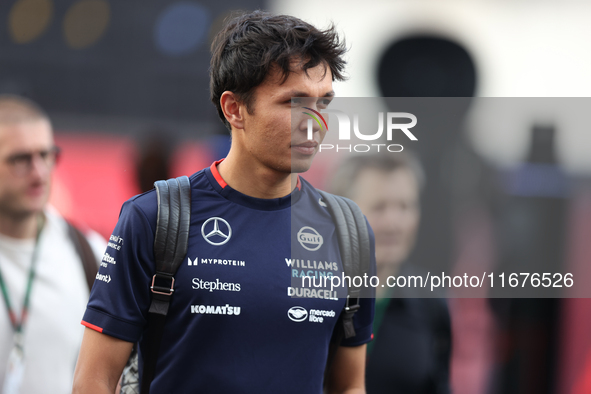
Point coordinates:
[[39, 166], [311, 122], [394, 216], [311, 127]]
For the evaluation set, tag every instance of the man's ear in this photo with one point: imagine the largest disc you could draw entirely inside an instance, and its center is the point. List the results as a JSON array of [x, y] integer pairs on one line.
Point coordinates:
[[233, 109]]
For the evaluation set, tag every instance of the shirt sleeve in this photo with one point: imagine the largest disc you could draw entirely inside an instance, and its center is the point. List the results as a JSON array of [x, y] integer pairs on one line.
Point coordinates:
[[120, 296], [363, 318]]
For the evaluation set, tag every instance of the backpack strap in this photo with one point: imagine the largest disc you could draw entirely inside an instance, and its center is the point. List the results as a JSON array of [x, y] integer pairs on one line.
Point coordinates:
[[354, 246], [85, 254], [170, 248]]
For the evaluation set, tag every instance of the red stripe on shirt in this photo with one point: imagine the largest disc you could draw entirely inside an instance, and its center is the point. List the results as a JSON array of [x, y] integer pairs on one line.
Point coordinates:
[[92, 326], [216, 173], [223, 184]]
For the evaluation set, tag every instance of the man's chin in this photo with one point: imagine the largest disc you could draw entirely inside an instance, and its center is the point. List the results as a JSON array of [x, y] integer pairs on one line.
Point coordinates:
[[35, 205], [301, 165], [299, 170], [34, 209]]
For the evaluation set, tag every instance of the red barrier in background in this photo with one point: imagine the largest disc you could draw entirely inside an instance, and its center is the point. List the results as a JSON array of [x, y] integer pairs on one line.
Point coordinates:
[[96, 174]]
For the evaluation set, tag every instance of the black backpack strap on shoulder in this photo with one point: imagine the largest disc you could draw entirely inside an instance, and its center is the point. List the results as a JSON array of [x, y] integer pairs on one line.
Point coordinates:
[[84, 250], [170, 248], [354, 246]]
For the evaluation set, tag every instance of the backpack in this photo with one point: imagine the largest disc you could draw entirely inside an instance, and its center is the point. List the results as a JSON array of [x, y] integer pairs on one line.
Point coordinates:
[[170, 248]]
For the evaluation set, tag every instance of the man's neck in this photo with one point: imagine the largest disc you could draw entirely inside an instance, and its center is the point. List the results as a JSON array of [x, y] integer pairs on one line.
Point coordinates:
[[22, 227], [256, 181]]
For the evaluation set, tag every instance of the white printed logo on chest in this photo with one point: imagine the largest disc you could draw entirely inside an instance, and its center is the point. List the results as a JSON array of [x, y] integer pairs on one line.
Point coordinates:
[[216, 231], [309, 238]]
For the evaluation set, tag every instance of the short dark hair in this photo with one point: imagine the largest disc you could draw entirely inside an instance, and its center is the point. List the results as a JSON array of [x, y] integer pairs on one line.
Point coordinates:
[[249, 45], [344, 179]]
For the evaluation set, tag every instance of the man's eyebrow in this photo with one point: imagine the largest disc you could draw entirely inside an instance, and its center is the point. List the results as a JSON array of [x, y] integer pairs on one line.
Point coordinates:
[[297, 93]]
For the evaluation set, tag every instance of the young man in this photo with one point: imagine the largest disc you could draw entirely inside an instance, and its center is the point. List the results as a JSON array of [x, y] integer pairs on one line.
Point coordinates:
[[412, 346], [232, 325], [42, 279]]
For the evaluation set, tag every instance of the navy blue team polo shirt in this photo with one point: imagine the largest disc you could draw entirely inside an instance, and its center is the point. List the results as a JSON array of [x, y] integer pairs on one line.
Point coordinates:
[[233, 326]]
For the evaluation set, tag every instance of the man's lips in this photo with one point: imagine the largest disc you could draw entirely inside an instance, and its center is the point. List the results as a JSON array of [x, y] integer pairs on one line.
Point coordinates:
[[37, 187], [36, 190], [306, 148]]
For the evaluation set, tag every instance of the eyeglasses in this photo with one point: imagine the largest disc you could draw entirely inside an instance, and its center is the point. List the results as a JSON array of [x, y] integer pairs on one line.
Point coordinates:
[[21, 163]]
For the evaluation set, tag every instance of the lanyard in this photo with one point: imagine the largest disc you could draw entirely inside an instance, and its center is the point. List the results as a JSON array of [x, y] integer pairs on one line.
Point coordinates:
[[17, 324]]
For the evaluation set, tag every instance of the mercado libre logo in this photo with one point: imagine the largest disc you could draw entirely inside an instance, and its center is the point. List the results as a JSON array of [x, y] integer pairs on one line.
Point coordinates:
[[310, 131]]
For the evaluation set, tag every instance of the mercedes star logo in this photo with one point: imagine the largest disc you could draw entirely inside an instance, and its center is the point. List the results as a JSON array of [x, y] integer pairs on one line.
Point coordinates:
[[216, 234]]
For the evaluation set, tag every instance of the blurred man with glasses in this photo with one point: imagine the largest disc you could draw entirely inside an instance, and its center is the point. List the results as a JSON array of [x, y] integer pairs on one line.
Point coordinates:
[[45, 263]]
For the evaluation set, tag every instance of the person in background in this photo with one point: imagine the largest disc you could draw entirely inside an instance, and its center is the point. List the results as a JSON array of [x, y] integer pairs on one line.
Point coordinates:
[[153, 161], [412, 335], [46, 264]]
